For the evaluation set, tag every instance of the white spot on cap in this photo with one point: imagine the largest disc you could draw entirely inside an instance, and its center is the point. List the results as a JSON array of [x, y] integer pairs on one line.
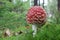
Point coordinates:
[[43, 15], [38, 13]]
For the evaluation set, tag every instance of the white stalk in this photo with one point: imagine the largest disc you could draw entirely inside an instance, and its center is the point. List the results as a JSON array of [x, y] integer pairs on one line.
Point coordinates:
[[34, 28]]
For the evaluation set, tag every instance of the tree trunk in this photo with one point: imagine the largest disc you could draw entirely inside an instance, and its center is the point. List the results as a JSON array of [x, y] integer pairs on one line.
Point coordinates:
[[43, 3], [35, 2], [59, 5]]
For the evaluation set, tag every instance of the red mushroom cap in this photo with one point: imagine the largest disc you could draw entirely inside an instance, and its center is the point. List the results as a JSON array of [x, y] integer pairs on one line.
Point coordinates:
[[36, 14]]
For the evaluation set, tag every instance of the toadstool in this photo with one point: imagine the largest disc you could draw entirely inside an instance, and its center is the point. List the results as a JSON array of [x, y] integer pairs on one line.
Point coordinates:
[[36, 16]]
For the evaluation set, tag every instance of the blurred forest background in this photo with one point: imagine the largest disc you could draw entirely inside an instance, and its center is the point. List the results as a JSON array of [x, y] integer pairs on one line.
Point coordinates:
[[13, 17]]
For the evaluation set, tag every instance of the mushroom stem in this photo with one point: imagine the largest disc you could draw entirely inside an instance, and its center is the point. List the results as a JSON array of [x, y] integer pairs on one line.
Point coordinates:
[[34, 28]]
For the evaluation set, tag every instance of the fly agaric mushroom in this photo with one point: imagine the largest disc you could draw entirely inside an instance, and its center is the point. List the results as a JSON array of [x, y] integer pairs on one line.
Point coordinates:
[[36, 16]]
